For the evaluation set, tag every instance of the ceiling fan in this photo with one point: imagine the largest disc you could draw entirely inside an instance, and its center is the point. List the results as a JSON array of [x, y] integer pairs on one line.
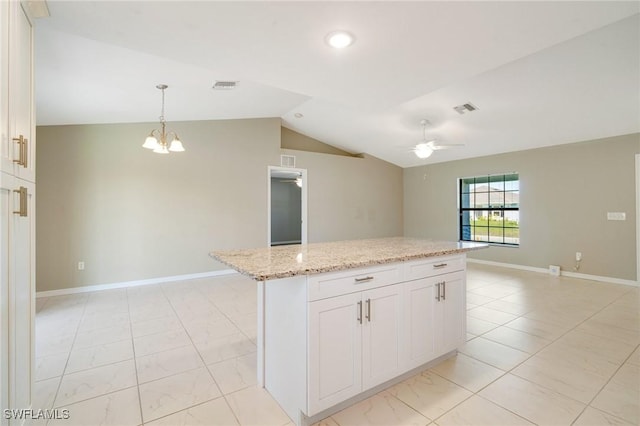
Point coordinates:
[[425, 148]]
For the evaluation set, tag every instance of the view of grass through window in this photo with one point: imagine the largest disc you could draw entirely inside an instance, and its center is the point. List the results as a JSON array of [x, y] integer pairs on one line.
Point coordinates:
[[490, 209]]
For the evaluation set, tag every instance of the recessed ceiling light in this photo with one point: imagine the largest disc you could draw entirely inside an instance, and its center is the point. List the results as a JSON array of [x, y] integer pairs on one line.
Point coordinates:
[[298, 115], [340, 39]]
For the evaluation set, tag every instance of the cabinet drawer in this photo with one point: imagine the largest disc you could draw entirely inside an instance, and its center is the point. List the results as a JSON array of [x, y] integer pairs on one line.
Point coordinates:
[[336, 283], [435, 266]]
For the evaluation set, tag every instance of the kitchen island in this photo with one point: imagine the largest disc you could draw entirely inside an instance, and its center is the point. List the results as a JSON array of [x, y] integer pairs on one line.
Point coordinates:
[[339, 321]]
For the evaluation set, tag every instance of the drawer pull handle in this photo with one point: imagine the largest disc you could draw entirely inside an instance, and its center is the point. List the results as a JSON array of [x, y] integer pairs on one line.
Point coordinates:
[[363, 280], [359, 318], [439, 265]]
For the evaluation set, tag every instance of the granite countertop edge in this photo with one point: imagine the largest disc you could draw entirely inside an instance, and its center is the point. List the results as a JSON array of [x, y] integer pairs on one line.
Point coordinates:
[[333, 267]]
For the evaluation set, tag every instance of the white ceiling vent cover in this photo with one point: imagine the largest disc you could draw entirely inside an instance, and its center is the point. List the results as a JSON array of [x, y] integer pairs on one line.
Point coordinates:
[[224, 85], [288, 161], [464, 108]]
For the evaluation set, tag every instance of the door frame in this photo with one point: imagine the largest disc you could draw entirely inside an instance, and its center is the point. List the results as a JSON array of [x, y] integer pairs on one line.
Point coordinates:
[[303, 201], [638, 219]]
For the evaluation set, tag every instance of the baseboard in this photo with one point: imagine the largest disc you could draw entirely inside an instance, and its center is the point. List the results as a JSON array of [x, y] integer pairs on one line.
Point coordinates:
[[563, 273], [136, 283]]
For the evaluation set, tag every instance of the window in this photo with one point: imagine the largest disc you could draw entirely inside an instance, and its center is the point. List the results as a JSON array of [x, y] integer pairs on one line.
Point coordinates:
[[490, 209]]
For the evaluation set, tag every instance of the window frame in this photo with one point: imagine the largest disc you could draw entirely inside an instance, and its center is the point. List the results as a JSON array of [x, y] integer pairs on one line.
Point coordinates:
[[489, 209]]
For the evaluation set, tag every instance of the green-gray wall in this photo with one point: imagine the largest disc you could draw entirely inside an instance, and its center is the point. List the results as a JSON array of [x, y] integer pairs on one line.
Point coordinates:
[[566, 192], [130, 214]]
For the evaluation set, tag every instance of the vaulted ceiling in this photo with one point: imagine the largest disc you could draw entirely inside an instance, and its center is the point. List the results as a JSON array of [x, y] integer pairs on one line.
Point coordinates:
[[540, 73]]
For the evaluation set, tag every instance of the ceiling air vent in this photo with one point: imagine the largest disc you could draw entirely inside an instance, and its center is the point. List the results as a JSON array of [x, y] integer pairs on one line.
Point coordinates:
[[468, 107], [224, 85]]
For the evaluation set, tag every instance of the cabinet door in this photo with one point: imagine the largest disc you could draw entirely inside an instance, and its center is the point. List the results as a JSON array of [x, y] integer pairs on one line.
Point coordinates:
[[453, 312], [21, 93], [22, 291], [419, 300], [335, 351], [6, 148], [16, 291], [6, 216], [381, 335]]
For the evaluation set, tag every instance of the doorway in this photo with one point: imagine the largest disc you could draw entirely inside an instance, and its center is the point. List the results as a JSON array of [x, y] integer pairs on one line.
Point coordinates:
[[287, 206]]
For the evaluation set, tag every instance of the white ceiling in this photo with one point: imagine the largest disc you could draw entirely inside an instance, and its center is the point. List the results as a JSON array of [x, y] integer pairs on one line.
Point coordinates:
[[541, 73]]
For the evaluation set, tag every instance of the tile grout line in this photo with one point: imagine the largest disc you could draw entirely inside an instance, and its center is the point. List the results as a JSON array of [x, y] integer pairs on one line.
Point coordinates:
[[240, 330], [553, 341], [604, 386], [75, 335], [573, 328], [135, 359], [222, 395]]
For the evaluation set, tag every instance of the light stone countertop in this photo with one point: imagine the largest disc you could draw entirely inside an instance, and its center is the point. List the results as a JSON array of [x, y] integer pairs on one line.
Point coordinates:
[[270, 263]]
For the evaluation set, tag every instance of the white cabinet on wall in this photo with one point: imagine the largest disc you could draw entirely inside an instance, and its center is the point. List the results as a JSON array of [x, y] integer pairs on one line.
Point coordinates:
[[16, 106], [17, 289], [17, 215]]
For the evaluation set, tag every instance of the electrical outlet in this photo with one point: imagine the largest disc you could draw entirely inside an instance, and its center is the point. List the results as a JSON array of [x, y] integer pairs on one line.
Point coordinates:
[[80, 266], [578, 256]]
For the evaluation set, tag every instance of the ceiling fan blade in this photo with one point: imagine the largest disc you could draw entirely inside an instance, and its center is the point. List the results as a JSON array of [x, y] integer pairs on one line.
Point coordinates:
[[436, 147]]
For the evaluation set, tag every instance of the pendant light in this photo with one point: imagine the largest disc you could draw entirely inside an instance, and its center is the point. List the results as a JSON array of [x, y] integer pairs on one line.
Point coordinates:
[[157, 139]]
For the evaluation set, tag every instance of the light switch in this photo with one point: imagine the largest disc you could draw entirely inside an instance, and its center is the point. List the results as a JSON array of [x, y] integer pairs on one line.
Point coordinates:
[[616, 216]]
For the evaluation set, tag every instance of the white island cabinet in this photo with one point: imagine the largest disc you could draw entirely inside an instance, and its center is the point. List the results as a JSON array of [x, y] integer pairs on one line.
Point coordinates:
[[386, 309]]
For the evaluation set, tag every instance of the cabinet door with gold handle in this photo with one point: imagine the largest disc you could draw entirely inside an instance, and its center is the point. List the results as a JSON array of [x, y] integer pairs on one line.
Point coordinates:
[[23, 200], [21, 141]]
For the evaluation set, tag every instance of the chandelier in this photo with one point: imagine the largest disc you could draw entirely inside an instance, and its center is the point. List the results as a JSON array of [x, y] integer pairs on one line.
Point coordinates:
[[157, 139]]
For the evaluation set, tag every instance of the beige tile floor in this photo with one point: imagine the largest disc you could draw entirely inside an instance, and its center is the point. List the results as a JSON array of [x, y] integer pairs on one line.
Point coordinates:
[[540, 350]]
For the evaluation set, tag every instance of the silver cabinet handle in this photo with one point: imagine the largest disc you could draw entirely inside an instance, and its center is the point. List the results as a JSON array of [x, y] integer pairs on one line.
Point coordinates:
[[363, 280], [368, 315], [360, 312], [444, 290], [438, 292], [439, 265]]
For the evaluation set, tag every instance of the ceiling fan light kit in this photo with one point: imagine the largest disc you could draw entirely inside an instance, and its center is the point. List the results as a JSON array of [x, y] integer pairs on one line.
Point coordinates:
[[422, 150], [425, 148]]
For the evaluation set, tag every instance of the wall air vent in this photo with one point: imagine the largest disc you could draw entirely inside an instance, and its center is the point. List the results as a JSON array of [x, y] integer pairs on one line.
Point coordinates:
[[464, 108], [224, 85], [288, 161]]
